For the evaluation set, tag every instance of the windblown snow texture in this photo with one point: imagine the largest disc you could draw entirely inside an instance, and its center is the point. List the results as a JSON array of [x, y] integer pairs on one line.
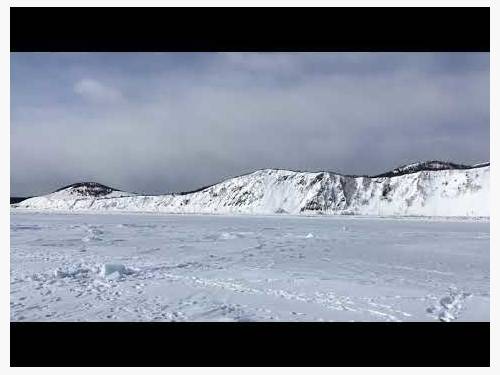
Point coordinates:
[[420, 189], [149, 267]]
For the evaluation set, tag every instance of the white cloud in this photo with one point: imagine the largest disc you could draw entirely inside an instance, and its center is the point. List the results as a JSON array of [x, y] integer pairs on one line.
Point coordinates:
[[95, 91]]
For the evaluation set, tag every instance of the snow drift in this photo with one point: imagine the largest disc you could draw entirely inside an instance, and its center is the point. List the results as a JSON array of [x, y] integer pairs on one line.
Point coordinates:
[[420, 189]]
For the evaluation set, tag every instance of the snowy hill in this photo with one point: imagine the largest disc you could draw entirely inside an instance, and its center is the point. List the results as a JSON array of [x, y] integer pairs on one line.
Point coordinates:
[[68, 196], [421, 189], [433, 165], [88, 189]]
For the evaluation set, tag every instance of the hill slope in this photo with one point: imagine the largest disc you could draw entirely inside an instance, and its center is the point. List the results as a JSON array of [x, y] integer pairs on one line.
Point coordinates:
[[414, 190]]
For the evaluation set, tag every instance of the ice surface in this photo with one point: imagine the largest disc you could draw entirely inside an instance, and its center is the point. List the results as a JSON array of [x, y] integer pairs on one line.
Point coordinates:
[[138, 267]]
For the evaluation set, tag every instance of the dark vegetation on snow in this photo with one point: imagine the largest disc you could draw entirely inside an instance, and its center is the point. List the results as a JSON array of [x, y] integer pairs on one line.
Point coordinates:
[[92, 189], [433, 165], [195, 191], [17, 199]]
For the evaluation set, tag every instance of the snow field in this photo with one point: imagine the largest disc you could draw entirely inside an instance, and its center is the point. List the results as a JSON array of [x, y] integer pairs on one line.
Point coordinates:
[[126, 267]]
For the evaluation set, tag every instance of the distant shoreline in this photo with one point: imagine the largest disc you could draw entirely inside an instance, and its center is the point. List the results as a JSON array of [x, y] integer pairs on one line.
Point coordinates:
[[477, 219], [17, 199]]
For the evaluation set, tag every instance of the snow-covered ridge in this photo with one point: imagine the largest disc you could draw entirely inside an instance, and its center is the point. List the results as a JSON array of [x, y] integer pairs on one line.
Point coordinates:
[[433, 165], [88, 189], [410, 191]]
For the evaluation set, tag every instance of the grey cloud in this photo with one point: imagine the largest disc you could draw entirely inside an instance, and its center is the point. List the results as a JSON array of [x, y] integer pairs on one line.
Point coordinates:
[[192, 120], [95, 91]]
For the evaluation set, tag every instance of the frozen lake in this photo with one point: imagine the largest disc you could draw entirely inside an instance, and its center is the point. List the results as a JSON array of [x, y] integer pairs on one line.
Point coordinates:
[[134, 267]]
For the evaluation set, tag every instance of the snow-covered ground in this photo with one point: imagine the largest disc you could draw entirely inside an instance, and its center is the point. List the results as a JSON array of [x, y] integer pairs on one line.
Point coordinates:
[[144, 267]]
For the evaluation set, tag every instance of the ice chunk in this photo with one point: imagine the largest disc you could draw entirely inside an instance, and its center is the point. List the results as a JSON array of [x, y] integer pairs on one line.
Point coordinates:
[[227, 236], [115, 270], [446, 316], [72, 271], [450, 306]]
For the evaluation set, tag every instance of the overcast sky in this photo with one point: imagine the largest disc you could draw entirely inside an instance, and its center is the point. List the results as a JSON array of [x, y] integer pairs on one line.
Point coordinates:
[[166, 122]]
